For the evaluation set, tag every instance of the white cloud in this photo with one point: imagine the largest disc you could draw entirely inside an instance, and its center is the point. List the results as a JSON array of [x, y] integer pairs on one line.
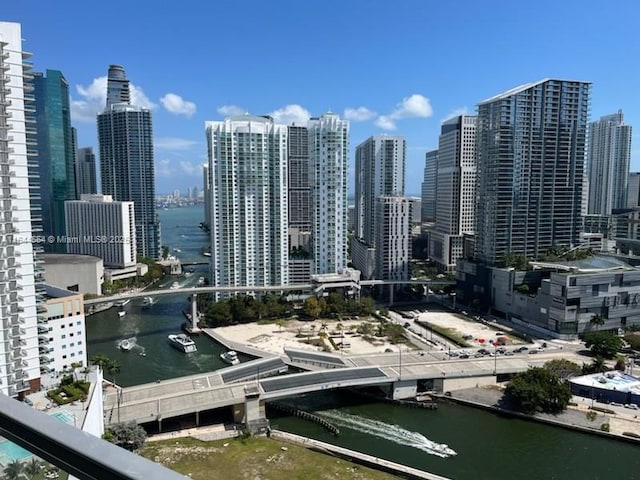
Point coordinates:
[[189, 168], [230, 110], [385, 122], [163, 169], [177, 105], [414, 106], [359, 114], [93, 98], [291, 114], [173, 143], [456, 112]]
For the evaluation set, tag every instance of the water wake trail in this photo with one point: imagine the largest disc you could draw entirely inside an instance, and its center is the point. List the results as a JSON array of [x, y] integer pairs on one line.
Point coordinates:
[[392, 433]]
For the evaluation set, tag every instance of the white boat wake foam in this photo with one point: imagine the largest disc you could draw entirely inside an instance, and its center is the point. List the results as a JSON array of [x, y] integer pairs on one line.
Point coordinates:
[[392, 433]]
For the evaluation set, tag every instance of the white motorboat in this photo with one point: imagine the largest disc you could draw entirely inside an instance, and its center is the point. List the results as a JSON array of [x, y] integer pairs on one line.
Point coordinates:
[[126, 345], [122, 313], [183, 343], [175, 285], [122, 303], [230, 357], [147, 302]]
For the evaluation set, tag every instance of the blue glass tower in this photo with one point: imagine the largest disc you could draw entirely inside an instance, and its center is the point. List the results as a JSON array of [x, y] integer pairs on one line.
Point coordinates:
[[55, 152]]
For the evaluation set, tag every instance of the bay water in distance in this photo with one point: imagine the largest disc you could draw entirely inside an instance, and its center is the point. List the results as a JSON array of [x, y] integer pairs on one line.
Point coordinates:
[[486, 445]]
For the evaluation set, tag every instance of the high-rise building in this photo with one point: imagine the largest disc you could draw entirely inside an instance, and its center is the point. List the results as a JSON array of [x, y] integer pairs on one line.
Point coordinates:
[[127, 168], [392, 238], [531, 150], [85, 172], [300, 215], [380, 164], [206, 189], [249, 197], [55, 152], [100, 227], [328, 162], [633, 190], [19, 343], [429, 187], [609, 156], [455, 203]]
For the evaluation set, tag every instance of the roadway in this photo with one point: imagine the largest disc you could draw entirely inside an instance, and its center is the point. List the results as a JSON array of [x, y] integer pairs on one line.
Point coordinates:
[[247, 289]]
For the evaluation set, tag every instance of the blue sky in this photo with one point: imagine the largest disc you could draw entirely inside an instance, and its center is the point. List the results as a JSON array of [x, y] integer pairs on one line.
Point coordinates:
[[397, 67]]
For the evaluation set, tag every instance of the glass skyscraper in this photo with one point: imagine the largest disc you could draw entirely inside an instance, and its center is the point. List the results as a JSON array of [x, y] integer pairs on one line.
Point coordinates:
[[55, 153], [127, 168], [531, 151]]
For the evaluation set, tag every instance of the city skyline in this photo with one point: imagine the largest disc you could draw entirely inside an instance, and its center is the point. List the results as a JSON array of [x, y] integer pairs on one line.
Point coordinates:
[[430, 84]]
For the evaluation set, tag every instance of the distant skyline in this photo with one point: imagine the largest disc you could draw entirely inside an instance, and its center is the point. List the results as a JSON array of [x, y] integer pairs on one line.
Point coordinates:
[[387, 68]]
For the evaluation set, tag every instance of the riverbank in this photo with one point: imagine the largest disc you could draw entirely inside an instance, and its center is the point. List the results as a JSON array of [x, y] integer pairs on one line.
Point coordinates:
[[255, 458], [574, 417]]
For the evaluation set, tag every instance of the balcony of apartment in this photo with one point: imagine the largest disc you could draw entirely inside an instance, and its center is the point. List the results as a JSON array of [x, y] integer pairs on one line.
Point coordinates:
[[43, 340], [45, 359], [42, 329]]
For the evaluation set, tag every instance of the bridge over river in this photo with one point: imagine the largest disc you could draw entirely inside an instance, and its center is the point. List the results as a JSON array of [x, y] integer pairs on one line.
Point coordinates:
[[246, 387]]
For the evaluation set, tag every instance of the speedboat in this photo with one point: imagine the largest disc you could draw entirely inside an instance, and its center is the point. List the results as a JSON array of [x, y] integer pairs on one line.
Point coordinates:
[[175, 285], [125, 345], [230, 357], [444, 449], [182, 342], [147, 302], [122, 313]]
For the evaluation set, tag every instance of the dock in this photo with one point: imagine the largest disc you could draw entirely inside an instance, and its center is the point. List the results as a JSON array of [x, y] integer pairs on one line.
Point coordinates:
[[362, 458]]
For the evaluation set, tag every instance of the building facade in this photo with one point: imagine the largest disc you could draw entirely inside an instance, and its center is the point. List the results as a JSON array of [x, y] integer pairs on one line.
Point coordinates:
[[428, 192], [531, 150], [63, 337], [75, 273], [85, 172], [127, 169], [249, 201], [20, 370], [608, 160], [633, 190], [206, 195], [329, 160], [100, 227], [456, 180], [55, 153], [392, 253]]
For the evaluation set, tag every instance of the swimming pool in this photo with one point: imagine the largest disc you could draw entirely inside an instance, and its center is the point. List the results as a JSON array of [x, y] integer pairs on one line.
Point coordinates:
[[9, 451], [63, 416]]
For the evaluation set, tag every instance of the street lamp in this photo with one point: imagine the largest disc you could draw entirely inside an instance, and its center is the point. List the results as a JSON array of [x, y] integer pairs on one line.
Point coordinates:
[[495, 360], [453, 299]]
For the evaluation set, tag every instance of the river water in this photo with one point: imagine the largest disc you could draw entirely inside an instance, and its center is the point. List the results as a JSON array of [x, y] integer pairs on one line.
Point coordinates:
[[487, 446]]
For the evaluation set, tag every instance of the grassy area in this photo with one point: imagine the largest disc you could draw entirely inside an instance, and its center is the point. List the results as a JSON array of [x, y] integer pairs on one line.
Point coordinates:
[[449, 333], [252, 458]]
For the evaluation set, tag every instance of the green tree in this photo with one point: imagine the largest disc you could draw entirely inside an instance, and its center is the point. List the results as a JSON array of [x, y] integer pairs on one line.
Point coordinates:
[[597, 320], [312, 307], [32, 468], [128, 435], [165, 251], [100, 360], [538, 390], [563, 369], [633, 339], [14, 470], [113, 368], [597, 366], [604, 344]]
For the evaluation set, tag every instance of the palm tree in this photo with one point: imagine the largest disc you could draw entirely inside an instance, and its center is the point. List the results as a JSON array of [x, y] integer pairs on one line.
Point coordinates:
[[597, 320], [100, 360], [113, 368], [32, 468], [14, 471]]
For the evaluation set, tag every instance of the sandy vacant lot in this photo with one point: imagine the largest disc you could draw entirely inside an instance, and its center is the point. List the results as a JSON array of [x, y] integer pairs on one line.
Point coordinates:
[[296, 334], [480, 333]]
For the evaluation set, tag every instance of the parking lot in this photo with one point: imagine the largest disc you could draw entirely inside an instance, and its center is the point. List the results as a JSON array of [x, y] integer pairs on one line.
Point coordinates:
[[474, 332]]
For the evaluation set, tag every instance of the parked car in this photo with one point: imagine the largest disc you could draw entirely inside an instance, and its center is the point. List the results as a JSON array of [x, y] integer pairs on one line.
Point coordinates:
[[531, 352], [632, 406], [464, 355]]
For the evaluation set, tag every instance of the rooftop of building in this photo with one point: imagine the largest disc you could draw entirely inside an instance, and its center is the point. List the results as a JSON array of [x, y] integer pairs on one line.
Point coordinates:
[[522, 88], [54, 292], [613, 381], [594, 264], [68, 259]]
